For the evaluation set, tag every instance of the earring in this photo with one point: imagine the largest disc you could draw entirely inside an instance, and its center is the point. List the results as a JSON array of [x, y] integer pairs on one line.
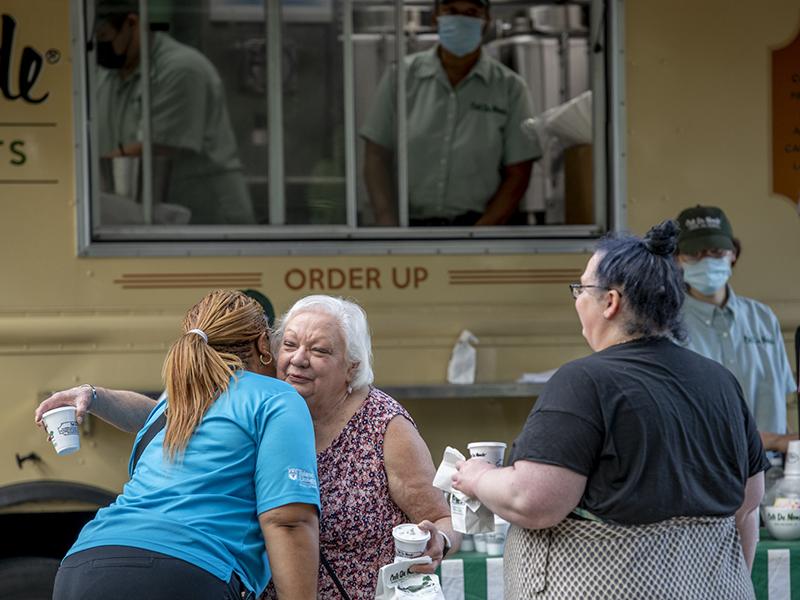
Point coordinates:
[[265, 362], [349, 389]]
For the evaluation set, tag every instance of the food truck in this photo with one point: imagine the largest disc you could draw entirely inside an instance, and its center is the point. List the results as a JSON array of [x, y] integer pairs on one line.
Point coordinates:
[[640, 109]]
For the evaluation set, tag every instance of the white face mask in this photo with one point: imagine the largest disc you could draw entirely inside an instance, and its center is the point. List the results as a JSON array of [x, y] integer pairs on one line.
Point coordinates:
[[707, 275]]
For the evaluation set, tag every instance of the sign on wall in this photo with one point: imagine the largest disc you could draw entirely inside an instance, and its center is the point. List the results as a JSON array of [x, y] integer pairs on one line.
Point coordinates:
[[35, 87], [786, 121]]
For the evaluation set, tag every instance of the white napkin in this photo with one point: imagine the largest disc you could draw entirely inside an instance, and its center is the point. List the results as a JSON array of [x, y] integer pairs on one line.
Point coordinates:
[[443, 479], [395, 582]]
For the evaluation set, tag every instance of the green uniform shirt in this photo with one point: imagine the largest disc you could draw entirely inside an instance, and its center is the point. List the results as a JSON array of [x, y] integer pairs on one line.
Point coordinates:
[[745, 336], [189, 116], [458, 138]]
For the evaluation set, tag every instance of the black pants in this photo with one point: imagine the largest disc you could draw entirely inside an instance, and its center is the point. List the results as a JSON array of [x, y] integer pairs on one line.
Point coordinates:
[[123, 573]]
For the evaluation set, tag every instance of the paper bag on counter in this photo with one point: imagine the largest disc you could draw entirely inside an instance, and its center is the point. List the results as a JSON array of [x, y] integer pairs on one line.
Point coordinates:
[[463, 360], [467, 520], [395, 582]]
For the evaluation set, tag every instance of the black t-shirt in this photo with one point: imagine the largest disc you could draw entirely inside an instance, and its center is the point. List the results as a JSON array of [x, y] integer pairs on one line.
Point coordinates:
[[659, 431]]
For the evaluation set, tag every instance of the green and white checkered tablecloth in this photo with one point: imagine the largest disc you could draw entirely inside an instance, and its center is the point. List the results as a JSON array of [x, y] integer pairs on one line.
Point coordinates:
[[776, 569], [472, 576], [476, 576]]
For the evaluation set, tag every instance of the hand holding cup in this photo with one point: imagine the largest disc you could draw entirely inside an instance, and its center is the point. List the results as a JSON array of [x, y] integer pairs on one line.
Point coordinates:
[[79, 397]]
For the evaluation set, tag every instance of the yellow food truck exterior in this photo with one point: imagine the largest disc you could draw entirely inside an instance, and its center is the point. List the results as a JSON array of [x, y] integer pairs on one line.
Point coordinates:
[[687, 119]]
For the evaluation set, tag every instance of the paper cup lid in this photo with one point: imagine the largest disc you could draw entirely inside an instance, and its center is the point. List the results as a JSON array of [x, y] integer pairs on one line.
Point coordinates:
[[472, 445], [410, 532], [58, 410]]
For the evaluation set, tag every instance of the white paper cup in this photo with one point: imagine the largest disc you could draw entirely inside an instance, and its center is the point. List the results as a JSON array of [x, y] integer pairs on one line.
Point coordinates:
[[480, 542], [409, 540], [495, 544], [501, 525], [62, 430], [496, 541], [492, 452], [782, 523], [467, 543]]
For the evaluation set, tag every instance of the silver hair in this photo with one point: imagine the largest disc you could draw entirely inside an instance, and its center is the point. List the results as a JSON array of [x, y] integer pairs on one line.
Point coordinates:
[[352, 321]]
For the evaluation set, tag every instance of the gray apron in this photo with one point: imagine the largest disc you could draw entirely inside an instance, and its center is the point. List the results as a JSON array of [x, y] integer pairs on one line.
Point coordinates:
[[680, 558]]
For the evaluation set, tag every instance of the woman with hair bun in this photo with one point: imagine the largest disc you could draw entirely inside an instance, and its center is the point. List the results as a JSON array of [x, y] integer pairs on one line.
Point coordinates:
[[222, 498], [639, 471]]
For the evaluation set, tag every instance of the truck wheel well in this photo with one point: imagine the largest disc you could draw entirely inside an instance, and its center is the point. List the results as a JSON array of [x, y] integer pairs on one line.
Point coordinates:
[[39, 532]]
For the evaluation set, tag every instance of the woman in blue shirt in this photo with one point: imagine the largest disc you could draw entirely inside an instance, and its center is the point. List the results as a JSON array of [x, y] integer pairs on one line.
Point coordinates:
[[225, 496]]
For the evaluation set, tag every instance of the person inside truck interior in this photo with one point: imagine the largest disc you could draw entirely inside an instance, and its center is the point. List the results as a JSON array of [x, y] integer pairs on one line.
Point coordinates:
[[469, 161], [193, 140], [739, 333], [223, 493]]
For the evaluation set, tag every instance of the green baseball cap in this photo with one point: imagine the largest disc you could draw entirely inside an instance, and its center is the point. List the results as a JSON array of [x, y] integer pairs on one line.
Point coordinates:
[[704, 228]]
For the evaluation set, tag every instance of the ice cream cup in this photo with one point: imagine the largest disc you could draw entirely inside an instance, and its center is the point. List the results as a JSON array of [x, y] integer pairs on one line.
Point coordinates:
[[492, 452], [62, 430], [467, 543], [496, 541], [782, 523], [409, 540]]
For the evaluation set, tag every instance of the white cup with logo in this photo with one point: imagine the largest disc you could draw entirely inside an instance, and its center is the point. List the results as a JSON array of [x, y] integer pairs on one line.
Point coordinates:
[[410, 541], [491, 452], [496, 541], [62, 430]]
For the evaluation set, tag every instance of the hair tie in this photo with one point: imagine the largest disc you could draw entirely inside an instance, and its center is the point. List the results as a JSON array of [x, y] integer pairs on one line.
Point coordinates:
[[201, 333]]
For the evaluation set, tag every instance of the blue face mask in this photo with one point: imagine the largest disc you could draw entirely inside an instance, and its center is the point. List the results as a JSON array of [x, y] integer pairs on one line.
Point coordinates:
[[458, 34], [707, 275]]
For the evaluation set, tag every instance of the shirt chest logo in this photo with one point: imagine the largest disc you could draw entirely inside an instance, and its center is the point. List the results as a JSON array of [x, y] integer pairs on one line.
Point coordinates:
[[758, 339], [487, 108]]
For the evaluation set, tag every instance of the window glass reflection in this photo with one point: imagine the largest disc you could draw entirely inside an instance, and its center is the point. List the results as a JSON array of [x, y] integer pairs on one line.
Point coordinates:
[[313, 112], [198, 177], [485, 87], [482, 89]]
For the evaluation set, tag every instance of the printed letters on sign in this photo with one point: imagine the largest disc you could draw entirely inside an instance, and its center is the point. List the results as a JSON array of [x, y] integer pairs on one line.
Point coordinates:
[[30, 66]]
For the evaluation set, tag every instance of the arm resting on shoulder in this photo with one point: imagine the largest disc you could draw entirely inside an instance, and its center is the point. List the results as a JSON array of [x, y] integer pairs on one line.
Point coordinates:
[[527, 494], [747, 517], [410, 471], [506, 199], [123, 409], [378, 178], [291, 535]]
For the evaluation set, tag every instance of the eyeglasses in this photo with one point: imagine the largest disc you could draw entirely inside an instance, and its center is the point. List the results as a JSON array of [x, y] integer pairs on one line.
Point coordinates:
[[577, 289]]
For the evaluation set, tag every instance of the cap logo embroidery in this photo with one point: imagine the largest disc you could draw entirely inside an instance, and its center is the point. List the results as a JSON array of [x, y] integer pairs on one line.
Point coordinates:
[[703, 223]]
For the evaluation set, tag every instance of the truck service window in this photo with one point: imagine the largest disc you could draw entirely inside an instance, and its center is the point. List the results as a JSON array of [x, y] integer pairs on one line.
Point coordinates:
[[233, 126]]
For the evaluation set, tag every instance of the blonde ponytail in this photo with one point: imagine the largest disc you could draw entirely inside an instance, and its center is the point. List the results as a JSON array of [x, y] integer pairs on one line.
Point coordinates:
[[197, 371]]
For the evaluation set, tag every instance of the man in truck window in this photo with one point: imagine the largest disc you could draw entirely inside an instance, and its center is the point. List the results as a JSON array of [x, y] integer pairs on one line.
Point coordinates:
[[190, 125], [740, 333], [469, 161]]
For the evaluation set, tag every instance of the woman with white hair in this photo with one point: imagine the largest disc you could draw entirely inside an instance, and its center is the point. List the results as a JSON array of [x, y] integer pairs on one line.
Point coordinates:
[[375, 470]]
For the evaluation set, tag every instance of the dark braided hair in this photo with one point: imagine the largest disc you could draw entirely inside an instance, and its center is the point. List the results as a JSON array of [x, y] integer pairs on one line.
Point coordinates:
[[648, 277]]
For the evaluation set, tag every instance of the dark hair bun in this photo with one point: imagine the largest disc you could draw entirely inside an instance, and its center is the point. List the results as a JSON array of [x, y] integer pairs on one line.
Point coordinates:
[[662, 239]]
